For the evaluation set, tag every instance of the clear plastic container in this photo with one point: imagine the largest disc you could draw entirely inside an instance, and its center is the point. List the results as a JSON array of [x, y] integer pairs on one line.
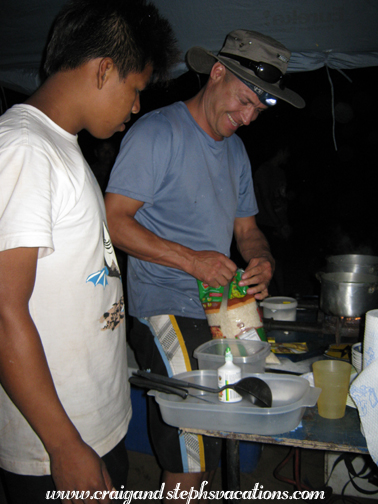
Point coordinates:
[[291, 396], [248, 355]]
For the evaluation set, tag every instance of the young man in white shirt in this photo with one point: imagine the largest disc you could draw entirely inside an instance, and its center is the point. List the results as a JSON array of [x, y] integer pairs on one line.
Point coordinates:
[[65, 400]]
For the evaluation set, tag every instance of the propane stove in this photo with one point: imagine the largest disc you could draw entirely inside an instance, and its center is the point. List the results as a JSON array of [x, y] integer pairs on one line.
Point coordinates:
[[314, 324]]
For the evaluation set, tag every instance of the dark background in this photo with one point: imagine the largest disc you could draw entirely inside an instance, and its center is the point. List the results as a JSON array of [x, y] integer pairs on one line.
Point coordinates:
[[333, 188]]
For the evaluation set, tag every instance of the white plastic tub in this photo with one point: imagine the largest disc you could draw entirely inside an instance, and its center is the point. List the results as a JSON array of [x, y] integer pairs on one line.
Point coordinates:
[[280, 308], [248, 355], [291, 396]]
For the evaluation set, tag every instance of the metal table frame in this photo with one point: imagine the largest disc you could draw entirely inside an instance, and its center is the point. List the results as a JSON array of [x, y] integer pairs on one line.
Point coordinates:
[[314, 432]]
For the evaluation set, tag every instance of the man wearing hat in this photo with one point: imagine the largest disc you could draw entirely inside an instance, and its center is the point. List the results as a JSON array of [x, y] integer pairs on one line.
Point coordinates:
[[180, 189]]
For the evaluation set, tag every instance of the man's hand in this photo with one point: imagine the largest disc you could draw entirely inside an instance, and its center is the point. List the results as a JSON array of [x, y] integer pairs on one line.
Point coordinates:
[[78, 468], [212, 268], [258, 273]]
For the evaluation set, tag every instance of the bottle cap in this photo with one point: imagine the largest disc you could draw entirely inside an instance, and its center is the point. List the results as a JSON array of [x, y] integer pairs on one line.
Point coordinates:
[[228, 355]]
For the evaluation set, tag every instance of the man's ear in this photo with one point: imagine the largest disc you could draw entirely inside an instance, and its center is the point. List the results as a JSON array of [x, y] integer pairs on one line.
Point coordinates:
[[105, 67], [218, 71]]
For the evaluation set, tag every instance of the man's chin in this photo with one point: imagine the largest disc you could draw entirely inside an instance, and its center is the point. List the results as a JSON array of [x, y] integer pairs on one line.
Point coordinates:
[[229, 133]]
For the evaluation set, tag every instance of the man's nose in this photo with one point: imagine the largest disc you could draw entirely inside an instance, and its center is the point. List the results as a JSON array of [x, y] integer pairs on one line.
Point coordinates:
[[249, 115], [136, 106]]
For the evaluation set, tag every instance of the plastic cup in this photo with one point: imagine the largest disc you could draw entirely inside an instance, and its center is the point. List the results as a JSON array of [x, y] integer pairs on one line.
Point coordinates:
[[333, 377]]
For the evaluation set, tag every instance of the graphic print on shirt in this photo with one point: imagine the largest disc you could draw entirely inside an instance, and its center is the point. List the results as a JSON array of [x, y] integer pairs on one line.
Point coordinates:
[[116, 314], [111, 267]]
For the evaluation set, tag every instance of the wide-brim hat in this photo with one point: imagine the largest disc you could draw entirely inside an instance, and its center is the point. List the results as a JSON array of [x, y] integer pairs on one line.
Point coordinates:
[[243, 47]]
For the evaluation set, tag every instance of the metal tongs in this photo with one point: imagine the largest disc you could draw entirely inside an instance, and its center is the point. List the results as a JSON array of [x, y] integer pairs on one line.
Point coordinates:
[[140, 381], [251, 385]]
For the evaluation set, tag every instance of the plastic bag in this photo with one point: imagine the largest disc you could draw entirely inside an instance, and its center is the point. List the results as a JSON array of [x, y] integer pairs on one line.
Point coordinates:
[[230, 311]]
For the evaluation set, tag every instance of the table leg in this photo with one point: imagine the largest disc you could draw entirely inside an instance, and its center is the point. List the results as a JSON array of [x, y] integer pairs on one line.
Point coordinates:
[[233, 465]]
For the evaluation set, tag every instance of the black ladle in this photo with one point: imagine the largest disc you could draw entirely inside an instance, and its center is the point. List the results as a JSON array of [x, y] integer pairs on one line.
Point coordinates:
[[252, 385]]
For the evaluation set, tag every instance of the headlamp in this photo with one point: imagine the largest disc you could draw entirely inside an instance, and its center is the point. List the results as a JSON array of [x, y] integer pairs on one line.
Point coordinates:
[[265, 98]]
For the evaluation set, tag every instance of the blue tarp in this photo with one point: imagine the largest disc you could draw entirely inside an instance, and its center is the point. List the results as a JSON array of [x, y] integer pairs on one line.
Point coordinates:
[[340, 34]]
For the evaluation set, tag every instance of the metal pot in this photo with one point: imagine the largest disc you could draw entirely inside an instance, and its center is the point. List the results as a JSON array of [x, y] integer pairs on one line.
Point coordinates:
[[348, 294], [354, 263]]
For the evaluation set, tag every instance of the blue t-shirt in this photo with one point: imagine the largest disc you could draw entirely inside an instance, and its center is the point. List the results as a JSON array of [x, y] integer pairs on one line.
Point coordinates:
[[192, 187]]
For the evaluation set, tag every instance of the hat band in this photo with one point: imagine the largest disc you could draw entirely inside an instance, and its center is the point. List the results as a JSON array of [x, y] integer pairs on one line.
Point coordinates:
[[264, 71]]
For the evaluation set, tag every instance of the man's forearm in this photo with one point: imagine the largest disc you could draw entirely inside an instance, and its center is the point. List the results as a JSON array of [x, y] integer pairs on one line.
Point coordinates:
[[24, 372], [128, 235], [26, 378], [134, 239], [254, 245]]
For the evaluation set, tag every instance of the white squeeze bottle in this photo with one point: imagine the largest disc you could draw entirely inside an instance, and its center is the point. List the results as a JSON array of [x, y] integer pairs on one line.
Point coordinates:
[[227, 374]]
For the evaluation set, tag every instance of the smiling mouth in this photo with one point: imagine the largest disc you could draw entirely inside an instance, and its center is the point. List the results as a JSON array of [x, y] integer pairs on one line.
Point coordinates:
[[235, 124]]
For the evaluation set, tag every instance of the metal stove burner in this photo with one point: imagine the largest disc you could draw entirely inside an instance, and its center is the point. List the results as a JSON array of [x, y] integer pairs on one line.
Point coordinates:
[[347, 327]]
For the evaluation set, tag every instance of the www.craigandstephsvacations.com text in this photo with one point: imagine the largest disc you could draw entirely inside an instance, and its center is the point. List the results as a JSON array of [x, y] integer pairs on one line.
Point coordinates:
[[126, 496]]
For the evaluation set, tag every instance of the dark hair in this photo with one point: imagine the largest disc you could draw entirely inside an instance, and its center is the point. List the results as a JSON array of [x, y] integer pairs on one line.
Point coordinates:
[[131, 32]]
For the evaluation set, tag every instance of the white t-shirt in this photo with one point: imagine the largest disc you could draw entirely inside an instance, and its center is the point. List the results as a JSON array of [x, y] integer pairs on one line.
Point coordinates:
[[50, 199]]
